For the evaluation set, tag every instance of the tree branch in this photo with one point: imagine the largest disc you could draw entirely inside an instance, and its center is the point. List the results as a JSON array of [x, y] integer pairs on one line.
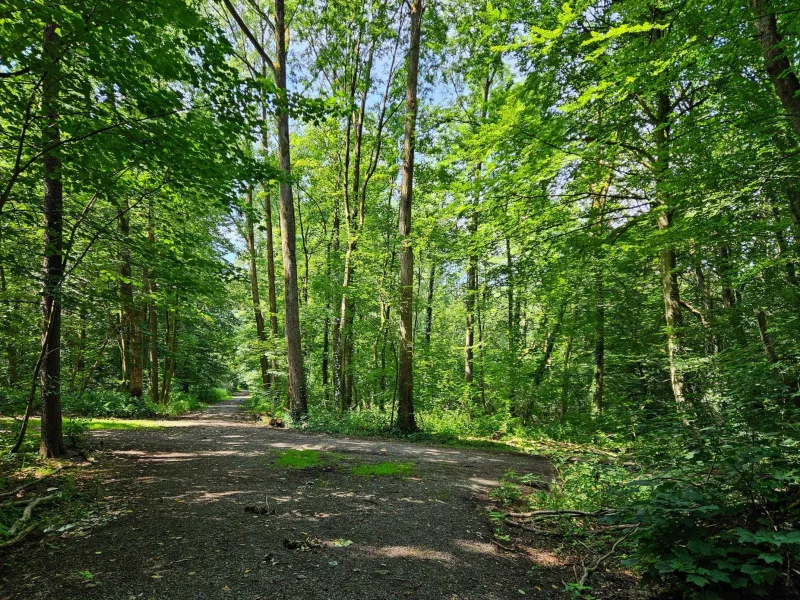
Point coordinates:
[[246, 30]]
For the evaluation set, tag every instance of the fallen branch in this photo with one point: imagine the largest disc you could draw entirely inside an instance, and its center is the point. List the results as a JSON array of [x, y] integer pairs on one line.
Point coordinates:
[[18, 537], [559, 513], [589, 570], [506, 548], [520, 526], [26, 514]]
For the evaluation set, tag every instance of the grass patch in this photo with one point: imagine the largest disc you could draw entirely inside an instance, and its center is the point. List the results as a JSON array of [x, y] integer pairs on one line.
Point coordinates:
[[384, 469], [300, 459], [97, 424]]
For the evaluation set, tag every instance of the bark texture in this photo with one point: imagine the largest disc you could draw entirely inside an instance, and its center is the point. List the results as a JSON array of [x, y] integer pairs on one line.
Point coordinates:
[[776, 61]]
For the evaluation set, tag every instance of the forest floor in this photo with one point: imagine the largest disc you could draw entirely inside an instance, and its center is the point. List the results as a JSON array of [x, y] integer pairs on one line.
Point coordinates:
[[199, 509]]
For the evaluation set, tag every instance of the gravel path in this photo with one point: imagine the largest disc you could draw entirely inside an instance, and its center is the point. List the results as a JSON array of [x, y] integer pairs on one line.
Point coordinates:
[[170, 521]]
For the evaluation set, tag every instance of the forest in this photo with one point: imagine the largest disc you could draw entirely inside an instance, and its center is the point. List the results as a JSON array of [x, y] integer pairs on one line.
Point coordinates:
[[569, 228]]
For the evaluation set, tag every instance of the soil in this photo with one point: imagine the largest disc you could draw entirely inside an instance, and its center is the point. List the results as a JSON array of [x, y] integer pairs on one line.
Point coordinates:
[[197, 510]]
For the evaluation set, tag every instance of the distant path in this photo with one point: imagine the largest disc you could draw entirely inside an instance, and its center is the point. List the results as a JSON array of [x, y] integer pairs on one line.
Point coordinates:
[[171, 521]]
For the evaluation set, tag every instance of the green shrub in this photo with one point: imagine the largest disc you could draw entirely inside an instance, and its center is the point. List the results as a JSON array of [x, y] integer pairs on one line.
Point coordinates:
[[723, 516], [107, 403], [212, 395]]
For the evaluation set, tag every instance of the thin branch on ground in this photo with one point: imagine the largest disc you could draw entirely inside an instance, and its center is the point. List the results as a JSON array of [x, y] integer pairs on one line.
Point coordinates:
[[589, 570]]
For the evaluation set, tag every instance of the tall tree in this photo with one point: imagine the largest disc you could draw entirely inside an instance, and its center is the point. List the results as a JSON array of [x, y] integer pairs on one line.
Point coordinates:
[[52, 444], [294, 353], [405, 379]]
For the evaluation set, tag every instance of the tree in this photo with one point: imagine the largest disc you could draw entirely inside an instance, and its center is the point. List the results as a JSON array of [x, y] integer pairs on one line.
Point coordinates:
[[405, 381]]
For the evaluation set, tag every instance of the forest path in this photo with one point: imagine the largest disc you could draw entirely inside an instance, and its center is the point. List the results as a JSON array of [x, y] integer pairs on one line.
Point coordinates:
[[171, 521]]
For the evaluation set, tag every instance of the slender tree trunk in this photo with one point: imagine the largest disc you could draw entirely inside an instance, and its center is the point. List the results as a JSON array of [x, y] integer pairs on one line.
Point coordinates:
[[294, 352], [729, 297], [599, 201], [13, 374], [512, 327], [78, 364], [355, 222], [137, 350], [766, 339], [599, 339], [405, 380], [777, 62], [552, 336], [254, 294], [52, 444], [131, 319], [306, 257], [472, 290], [152, 315], [544, 362], [791, 272], [472, 269], [772, 355], [429, 304], [565, 378], [169, 360], [269, 241]]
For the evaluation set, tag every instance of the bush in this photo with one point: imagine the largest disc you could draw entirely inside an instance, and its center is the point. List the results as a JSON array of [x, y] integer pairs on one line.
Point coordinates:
[[114, 403], [724, 516], [107, 403]]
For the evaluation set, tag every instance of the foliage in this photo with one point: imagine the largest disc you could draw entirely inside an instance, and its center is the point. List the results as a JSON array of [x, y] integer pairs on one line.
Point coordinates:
[[724, 515]]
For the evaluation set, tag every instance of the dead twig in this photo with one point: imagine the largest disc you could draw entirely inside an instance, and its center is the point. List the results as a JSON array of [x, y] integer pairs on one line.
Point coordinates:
[[589, 570]]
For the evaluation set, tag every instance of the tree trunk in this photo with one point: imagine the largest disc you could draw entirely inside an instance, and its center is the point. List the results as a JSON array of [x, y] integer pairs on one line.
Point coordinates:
[[472, 290], [270, 244], [776, 61], [52, 444], [667, 257], [565, 379], [294, 354], [78, 364], [429, 304], [472, 269], [306, 257], [259, 317], [512, 328], [130, 319], [172, 343], [152, 315], [672, 312], [405, 380], [599, 339], [729, 297], [791, 271], [599, 200]]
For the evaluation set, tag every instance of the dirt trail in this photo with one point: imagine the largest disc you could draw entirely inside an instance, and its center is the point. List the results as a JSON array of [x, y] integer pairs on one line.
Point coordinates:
[[174, 525]]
